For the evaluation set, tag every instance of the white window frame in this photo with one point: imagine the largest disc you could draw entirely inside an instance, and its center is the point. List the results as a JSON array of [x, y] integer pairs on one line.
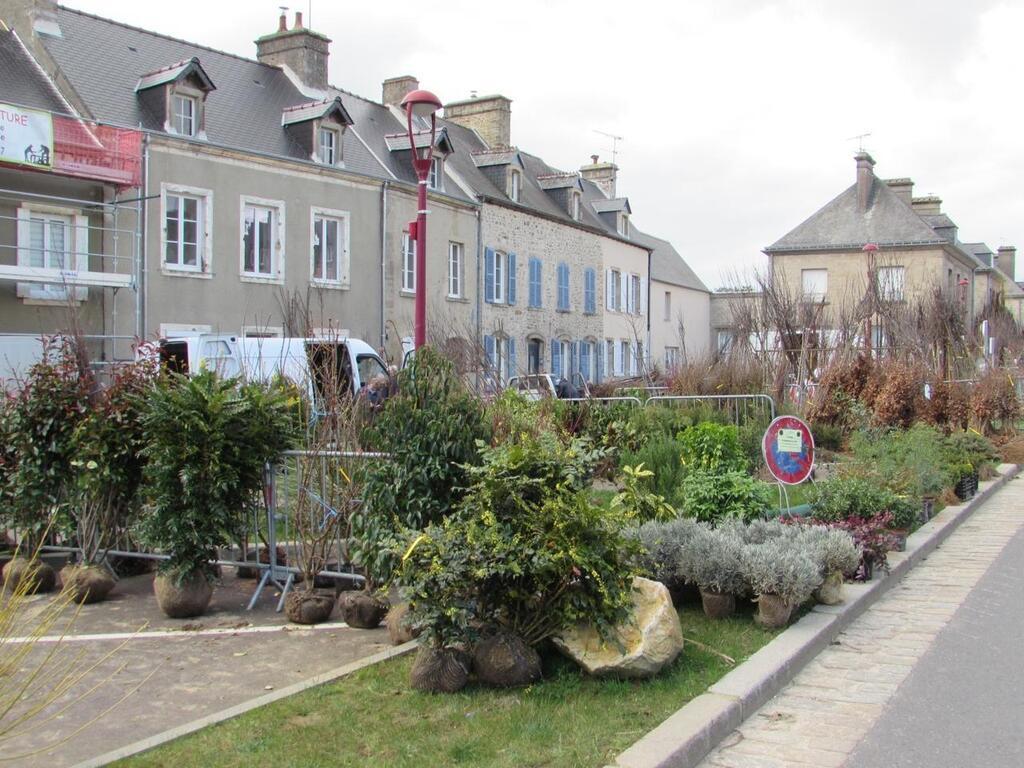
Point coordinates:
[[624, 224], [671, 358], [576, 206], [892, 282], [344, 219], [633, 295], [615, 295], [609, 356], [204, 267], [814, 284], [328, 153], [408, 263], [500, 268], [277, 241], [455, 259], [76, 251], [530, 341], [515, 185], [435, 176], [178, 117]]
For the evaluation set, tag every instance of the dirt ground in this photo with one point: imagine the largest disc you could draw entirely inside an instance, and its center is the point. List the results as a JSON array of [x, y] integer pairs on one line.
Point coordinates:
[[184, 668]]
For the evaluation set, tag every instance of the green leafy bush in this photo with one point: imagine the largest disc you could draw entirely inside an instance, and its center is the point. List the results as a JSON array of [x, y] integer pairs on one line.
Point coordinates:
[[712, 447], [847, 496], [966, 452], [39, 426], [661, 456], [524, 552], [780, 568], [911, 462], [636, 503], [430, 430], [827, 437], [713, 496], [207, 440]]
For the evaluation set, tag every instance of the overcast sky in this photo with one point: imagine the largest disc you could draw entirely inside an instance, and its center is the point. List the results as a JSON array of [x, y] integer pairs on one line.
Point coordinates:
[[736, 115]]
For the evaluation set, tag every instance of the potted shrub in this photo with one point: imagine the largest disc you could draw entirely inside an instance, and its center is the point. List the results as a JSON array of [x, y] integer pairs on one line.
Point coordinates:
[[782, 577], [39, 422], [872, 537], [660, 544], [835, 553], [904, 517], [108, 464], [710, 496], [207, 441], [713, 560]]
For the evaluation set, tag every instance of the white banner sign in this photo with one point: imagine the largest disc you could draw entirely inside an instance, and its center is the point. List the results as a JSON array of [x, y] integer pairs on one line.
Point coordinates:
[[26, 136]]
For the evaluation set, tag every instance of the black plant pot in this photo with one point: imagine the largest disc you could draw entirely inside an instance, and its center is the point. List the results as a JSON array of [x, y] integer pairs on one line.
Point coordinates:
[[866, 570], [964, 488], [927, 510]]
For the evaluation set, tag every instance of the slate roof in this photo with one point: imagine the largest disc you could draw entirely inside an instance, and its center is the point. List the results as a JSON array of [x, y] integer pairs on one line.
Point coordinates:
[[667, 266], [316, 110], [172, 73], [23, 84], [980, 251], [615, 204], [888, 221]]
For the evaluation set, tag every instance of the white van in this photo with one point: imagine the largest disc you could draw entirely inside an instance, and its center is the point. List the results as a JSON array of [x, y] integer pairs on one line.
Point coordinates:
[[301, 361]]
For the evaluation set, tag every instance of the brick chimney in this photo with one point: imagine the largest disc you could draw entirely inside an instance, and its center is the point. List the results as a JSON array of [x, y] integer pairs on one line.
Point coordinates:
[[602, 174], [1006, 260], [865, 179], [302, 50], [489, 116], [930, 205], [904, 189], [396, 88]]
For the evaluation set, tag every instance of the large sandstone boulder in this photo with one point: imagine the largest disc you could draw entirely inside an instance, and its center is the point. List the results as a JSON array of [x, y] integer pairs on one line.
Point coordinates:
[[651, 637]]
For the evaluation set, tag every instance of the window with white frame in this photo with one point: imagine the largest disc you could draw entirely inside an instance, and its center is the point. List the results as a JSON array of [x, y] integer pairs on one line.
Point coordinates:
[[328, 146], [262, 235], [561, 358], [814, 284], [183, 116], [575, 207], [48, 240], [671, 358], [515, 182], [408, 263], [183, 231], [455, 251], [633, 295], [609, 357], [498, 284], [534, 355], [626, 356], [891, 283], [613, 290], [435, 177], [725, 341], [668, 305], [624, 224], [329, 251], [587, 362]]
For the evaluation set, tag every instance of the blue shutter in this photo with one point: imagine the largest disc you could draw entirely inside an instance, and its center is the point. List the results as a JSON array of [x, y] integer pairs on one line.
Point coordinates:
[[574, 358], [511, 279], [588, 291], [489, 275], [556, 358], [489, 350], [512, 367], [535, 285], [563, 286], [585, 360]]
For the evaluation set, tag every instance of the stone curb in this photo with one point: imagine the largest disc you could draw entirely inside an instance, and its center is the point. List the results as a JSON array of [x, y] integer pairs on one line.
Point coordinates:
[[226, 714], [688, 735]]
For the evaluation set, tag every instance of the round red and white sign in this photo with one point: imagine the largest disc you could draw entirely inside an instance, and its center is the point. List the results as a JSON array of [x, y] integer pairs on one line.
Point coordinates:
[[788, 448]]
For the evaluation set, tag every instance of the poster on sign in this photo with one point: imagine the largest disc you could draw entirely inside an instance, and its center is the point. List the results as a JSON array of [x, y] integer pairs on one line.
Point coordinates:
[[788, 448], [26, 136]]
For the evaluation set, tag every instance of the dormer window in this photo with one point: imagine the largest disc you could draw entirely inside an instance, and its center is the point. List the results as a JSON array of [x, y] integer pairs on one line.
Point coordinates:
[[184, 115], [576, 206], [176, 97], [624, 225], [436, 176], [328, 147], [514, 185]]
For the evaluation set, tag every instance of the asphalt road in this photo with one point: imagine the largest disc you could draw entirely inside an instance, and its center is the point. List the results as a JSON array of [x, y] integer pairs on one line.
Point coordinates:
[[963, 704]]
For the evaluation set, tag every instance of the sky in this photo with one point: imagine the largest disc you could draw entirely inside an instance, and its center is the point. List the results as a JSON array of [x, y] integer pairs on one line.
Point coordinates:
[[738, 117]]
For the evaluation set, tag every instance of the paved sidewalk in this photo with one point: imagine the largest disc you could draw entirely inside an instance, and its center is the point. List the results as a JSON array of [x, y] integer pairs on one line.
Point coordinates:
[[823, 715]]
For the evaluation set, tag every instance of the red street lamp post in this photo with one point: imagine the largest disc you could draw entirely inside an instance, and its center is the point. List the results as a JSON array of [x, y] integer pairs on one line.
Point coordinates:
[[421, 104]]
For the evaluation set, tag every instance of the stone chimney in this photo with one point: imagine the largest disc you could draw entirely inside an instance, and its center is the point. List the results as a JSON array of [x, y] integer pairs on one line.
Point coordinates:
[[1006, 260], [489, 116], [930, 205], [904, 189], [302, 50], [865, 179], [396, 88], [602, 174]]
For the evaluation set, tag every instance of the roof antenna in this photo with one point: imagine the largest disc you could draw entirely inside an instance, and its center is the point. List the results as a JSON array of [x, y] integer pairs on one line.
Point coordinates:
[[615, 142], [860, 140]]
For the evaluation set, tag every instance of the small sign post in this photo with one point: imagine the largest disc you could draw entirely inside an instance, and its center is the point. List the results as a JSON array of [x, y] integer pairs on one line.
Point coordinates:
[[788, 449]]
